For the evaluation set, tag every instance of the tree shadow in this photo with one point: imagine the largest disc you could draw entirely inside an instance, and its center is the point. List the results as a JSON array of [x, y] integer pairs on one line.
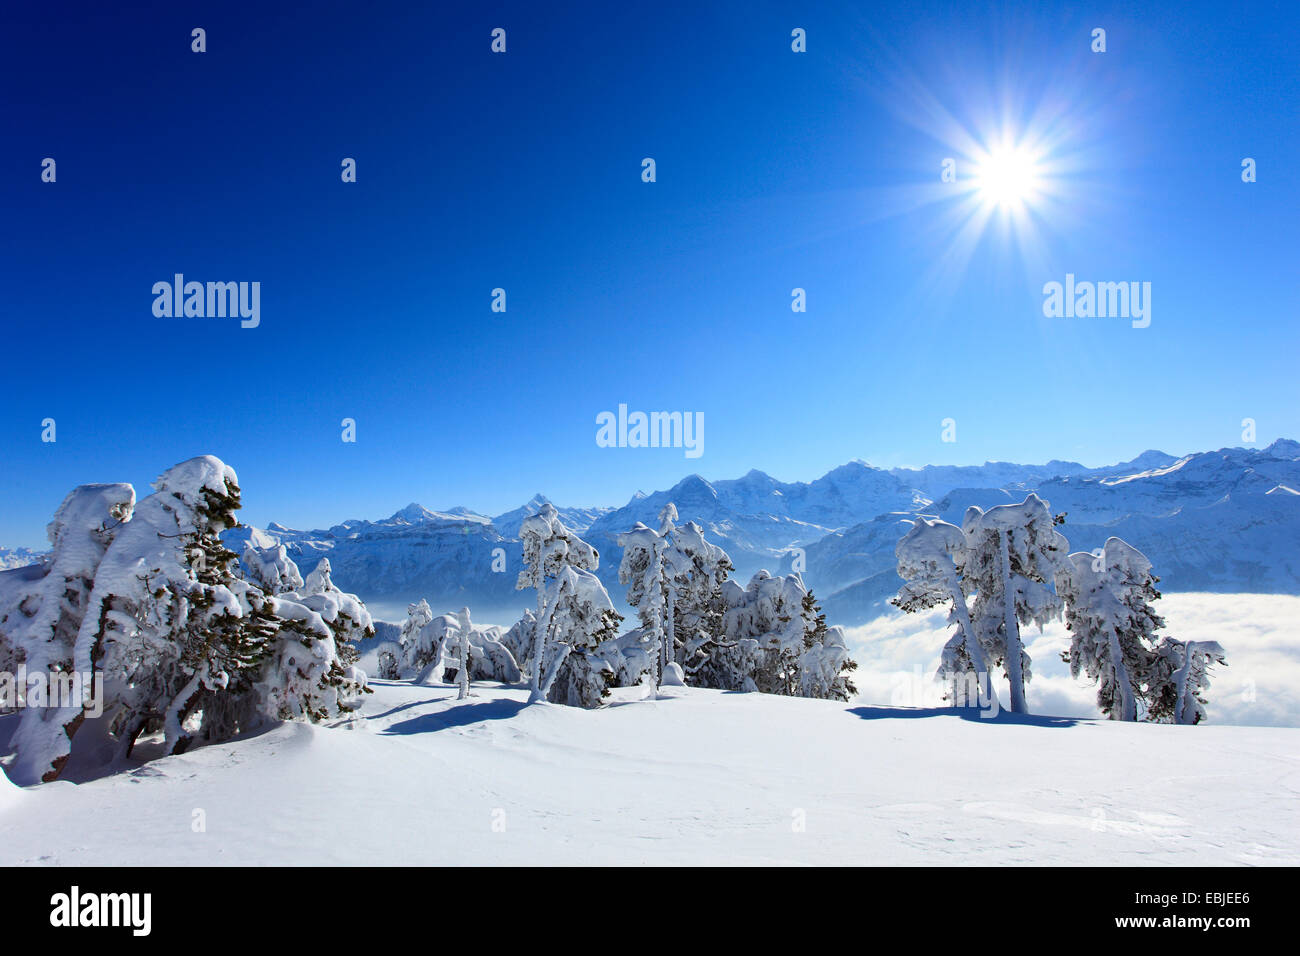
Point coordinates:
[[459, 716], [964, 713], [94, 755], [399, 708]]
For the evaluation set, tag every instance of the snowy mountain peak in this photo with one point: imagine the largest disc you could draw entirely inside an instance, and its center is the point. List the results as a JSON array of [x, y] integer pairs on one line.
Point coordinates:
[[1151, 459], [1283, 448], [416, 514], [575, 519], [413, 514], [691, 489], [855, 466]]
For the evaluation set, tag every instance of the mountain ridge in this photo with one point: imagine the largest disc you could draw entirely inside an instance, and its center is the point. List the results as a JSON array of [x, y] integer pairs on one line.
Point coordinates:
[[844, 526], [1215, 520]]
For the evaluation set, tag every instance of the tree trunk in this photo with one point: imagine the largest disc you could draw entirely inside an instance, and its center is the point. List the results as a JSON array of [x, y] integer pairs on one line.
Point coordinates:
[[670, 635], [175, 740], [562, 654], [983, 674], [463, 677], [1127, 701], [1014, 649], [539, 647], [1181, 681]]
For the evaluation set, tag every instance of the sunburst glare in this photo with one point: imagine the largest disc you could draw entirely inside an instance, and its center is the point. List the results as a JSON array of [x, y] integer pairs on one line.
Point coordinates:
[[1007, 177]]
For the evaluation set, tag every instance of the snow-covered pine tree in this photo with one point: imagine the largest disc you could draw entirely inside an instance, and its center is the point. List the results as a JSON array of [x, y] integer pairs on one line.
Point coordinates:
[[643, 573], [674, 579], [387, 656], [1014, 554], [579, 620], [733, 661], [397, 658], [549, 548], [775, 640], [489, 658], [309, 671], [695, 570], [223, 710], [520, 641], [343, 612], [668, 649], [1113, 626], [632, 659], [164, 621], [303, 676], [41, 612], [462, 635], [825, 667], [931, 559], [417, 616], [735, 652], [149, 597], [419, 646], [769, 610], [426, 649], [1178, 678], [270, 569]]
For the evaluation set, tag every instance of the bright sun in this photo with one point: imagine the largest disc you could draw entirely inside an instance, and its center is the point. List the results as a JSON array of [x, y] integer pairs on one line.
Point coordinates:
[[1012, 175], [1007, 176]]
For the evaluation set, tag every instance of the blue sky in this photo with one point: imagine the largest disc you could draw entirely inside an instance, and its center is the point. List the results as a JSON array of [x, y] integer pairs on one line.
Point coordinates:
[[775, 170]]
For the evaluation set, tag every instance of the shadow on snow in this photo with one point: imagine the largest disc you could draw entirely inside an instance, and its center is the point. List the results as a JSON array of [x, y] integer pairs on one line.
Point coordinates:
[[965, 713], [459, 716]]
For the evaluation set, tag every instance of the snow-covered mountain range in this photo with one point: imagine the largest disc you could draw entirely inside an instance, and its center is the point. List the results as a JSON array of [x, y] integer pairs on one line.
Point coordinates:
[[1226, 520], [18, 557]]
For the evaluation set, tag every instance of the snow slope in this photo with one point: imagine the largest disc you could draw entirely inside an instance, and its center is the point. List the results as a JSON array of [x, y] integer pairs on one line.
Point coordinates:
[[9, 795], [695, 778]]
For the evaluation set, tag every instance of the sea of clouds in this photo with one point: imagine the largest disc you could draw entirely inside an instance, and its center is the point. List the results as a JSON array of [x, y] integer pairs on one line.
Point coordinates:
[[898, 653]]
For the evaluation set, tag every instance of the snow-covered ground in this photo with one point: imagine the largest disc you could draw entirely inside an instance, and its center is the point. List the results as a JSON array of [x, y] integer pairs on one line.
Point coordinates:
[[9, 794], [696, 777]]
